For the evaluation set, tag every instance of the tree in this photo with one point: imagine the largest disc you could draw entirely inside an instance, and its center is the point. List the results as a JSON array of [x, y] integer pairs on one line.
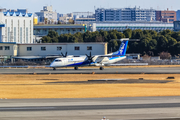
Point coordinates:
[[54, 40], [120, 35], [144, 43], [162, 43], [104, 34], [46, 39], [152, 47], [137, 34], [112, 46], [87, 36], [78, 37], [165, 32], [99, 38], [127, 33], [53, 34], [177, 48]]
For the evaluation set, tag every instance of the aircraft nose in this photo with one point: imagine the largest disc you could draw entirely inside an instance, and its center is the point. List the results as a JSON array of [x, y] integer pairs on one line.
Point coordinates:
[[52, 64]]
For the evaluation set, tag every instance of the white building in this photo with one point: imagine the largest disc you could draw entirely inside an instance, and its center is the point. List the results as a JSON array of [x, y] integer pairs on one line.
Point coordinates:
[[66, 18], [16, 27], [47, 15]]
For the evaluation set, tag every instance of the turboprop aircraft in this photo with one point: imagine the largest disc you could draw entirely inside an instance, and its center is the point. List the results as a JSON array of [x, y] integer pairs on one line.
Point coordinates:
[[89, 60]]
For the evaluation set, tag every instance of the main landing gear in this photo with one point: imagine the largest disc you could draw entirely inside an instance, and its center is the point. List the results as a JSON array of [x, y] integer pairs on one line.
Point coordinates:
[[101, 68], [54, 68], [75, 68]]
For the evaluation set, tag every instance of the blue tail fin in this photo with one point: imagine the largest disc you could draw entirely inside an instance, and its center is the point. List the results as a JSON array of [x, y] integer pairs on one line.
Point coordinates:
[[122, 48]]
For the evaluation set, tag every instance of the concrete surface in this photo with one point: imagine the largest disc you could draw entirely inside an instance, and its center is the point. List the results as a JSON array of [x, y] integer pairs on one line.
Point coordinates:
[[163, 70], [91, 109]]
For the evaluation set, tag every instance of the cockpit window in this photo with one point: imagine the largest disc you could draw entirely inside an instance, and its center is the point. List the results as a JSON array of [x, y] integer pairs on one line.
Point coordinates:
[[58, 60]]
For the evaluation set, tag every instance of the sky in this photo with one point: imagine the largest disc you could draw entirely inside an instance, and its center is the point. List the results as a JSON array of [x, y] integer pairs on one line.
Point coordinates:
[[69, 6]]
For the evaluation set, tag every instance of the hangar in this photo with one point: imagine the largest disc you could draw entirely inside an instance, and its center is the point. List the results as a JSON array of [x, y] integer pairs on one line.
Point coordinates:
[[47, 51]]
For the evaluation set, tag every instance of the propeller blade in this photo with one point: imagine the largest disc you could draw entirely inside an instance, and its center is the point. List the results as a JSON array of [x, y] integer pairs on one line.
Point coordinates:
[[90, 54], [62, 54]]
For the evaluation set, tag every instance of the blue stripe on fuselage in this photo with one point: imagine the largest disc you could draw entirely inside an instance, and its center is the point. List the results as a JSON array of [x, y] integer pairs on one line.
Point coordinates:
[[80, 63]]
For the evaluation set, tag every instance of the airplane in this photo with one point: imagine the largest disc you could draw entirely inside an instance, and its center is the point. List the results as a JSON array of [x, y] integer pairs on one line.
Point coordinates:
[[89, 60]]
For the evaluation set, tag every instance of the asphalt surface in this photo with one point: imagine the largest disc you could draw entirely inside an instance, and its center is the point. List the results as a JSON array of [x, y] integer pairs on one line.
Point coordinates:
[[163, 70], [129, 108]]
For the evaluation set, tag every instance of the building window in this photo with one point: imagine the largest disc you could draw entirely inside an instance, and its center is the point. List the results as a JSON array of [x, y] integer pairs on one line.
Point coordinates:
[[76, 48], [14, 34], [59, 48], [1, 47], [29, 48], [43, 48], [27, 35], [89, 47], [7, 48], [20, 34]]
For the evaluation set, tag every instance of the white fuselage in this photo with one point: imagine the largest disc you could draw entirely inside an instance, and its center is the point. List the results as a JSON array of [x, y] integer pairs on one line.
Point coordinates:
[[83, 61]]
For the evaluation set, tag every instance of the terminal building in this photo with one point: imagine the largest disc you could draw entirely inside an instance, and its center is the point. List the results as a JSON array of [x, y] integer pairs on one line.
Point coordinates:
[[16, 27], [121, 26]]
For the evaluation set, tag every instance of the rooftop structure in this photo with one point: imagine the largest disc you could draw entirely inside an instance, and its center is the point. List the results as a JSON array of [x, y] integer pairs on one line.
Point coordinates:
[[65, 18], [121, 26], [166, 16], [18, 10], [84, 20], [16, 27], [47, 15], [125, 14]]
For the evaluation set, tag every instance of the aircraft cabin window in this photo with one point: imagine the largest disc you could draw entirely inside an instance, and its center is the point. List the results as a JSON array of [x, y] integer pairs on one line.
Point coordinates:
[[58, 60]]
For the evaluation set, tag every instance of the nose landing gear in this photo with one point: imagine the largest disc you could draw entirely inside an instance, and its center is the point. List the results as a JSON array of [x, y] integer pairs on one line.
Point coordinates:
[[54, 68], [75, 68], [101, 68]]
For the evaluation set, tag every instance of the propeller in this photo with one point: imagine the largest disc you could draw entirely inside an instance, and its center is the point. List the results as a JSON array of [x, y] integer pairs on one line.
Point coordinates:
[[64, 55], [90, 58]]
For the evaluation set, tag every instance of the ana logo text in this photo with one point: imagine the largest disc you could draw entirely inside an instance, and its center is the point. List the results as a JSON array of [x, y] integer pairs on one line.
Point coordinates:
[[122, 48]]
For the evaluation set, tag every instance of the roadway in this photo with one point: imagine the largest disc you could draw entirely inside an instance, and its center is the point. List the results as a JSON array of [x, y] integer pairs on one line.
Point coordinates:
[[91, 108], [148, 70]]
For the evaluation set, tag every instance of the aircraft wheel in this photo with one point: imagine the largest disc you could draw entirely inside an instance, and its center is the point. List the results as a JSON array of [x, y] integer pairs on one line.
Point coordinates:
[[54, 68], [101, 68], [76, 68]]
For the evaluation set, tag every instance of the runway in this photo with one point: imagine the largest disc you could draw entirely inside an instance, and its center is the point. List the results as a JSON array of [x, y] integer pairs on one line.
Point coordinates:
[[148, 70], [91, 108]]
